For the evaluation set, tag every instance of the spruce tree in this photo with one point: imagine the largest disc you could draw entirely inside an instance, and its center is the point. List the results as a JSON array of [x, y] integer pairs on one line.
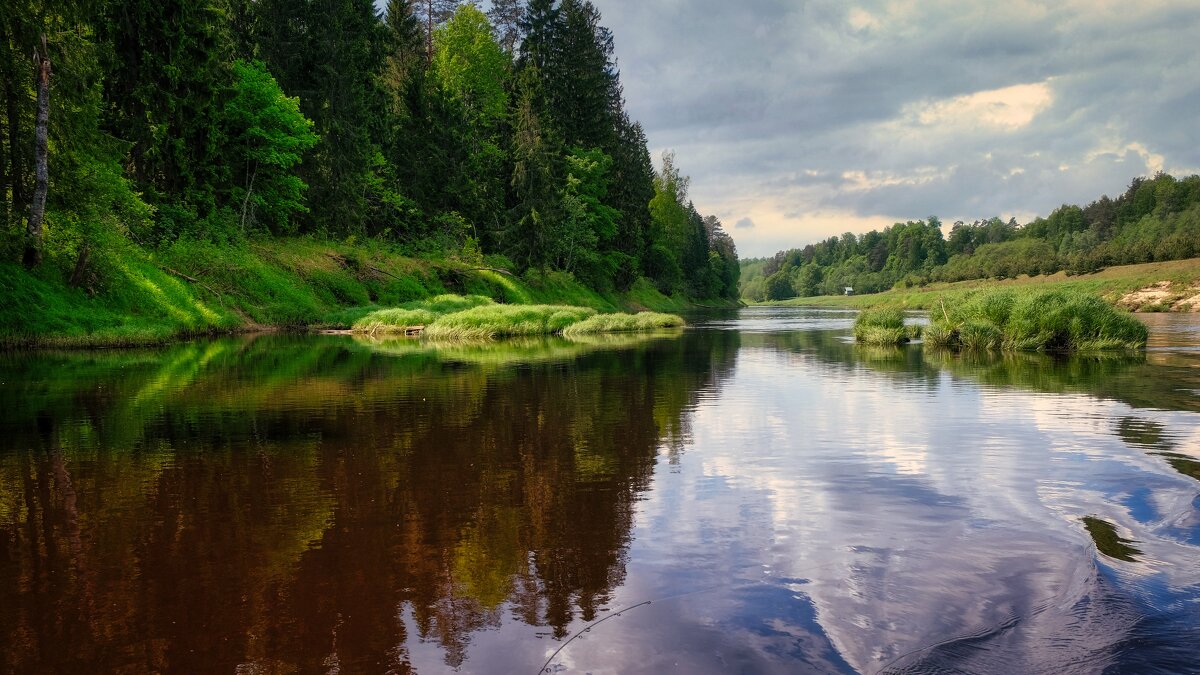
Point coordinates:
[[169, 69]]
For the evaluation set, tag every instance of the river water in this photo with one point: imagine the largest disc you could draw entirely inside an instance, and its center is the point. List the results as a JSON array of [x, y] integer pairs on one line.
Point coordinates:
[[754, 494]]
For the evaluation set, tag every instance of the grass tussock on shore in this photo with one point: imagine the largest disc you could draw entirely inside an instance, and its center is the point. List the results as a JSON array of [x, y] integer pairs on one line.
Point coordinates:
[[493, 321], [417, 313], [623, 323], [1052, 320], [882, 326]]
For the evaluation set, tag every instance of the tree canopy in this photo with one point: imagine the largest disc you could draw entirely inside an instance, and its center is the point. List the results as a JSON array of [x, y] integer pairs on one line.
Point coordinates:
[[431, 126]]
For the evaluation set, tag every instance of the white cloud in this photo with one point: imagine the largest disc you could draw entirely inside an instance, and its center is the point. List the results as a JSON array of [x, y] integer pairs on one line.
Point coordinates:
[[1008, 108], [819, 117]]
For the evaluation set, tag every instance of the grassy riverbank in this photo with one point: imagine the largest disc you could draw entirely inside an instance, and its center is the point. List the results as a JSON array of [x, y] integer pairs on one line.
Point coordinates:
[[1161, 286], [134, 298]]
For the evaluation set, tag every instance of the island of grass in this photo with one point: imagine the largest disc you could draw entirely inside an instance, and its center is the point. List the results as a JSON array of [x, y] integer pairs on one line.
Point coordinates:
[[473, 317], [883, 326], [1053, 320]]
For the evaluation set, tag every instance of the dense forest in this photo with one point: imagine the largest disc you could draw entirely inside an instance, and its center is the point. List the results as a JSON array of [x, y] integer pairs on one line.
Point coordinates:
[[128, 126], [1155, 219]]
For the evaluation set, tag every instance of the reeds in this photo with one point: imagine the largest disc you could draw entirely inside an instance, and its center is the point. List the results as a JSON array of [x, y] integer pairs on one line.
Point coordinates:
[[1034, 321]]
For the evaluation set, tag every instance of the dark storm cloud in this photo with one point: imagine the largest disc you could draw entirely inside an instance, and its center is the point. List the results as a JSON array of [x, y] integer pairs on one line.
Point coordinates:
[[875, 109]]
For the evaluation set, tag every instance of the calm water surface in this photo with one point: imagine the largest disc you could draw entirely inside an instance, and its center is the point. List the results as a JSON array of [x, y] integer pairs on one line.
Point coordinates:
[[755, 494]]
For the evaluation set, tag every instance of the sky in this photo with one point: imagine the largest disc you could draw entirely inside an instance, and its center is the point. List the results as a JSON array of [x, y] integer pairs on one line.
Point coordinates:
[[798, 120]]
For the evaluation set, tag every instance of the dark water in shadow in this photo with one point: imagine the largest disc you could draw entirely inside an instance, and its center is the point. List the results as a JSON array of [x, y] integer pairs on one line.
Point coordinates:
[[786, 500]]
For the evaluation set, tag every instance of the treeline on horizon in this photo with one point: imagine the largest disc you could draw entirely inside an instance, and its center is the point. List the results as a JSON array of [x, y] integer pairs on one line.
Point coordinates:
[[432, 127], [1155, 219]]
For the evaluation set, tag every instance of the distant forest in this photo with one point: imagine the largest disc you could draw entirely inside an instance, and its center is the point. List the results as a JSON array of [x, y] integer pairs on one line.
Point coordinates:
[[432, 127], [1155, 219]]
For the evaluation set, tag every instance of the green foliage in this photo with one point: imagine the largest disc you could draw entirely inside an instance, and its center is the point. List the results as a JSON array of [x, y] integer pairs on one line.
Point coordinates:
[[266, 138], [471, 68], [881, 326], [417, 313], [778, 286], [192, 141], [1156, 219], [492, 321], [1034, 321], [330, 54], [623, 323]]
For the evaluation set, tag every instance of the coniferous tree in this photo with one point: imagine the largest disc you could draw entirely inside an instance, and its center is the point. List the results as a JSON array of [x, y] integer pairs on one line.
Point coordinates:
[[535, 153], [170, 68], [539, 27], [329, 53], [582, 85], [630, 194]]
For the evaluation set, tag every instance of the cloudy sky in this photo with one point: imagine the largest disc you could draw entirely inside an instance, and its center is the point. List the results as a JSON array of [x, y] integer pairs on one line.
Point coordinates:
[[800, 119]]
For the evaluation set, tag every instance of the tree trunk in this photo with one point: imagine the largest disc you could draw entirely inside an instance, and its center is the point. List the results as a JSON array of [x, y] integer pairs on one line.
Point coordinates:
[[429, 32], [37, 210], [3, 175], [246, 201], [16, 173], [80, 266], [5, 142]]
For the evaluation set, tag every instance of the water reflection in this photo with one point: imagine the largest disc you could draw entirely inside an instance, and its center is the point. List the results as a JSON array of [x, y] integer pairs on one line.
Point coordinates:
[[786, 500], [283, 503]]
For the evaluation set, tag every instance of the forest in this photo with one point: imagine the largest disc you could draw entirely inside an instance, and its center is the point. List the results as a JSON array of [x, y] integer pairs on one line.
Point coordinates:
[[138, 128], [1155, 219]]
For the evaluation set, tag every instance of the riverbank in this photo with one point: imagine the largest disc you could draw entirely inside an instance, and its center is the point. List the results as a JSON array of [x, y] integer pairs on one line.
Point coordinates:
[[133, 297], [1172, 286]]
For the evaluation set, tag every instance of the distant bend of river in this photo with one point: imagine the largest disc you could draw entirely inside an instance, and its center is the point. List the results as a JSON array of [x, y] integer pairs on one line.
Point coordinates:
[[753, 494]]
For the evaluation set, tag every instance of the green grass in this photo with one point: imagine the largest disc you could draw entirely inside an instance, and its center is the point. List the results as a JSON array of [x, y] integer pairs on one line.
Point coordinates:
[[881, 326], [1032, 320], [190, 288], [623, 323], [417, 313], [493, 321]]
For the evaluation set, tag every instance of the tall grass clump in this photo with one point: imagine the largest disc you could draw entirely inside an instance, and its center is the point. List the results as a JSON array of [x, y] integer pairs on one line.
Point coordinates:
[[1052, 320], [417, 313], [492, 321], [883, 326], [624, 323]]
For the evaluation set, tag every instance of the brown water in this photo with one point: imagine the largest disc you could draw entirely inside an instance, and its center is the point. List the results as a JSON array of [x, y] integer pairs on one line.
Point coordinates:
[[754, 494]]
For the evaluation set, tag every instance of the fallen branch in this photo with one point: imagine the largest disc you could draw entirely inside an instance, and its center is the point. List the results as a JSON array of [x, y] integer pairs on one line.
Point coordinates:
[[201, 284], [490, 269]]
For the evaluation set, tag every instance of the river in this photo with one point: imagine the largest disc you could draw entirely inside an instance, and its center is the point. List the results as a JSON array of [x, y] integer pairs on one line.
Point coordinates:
[[753, 494]]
